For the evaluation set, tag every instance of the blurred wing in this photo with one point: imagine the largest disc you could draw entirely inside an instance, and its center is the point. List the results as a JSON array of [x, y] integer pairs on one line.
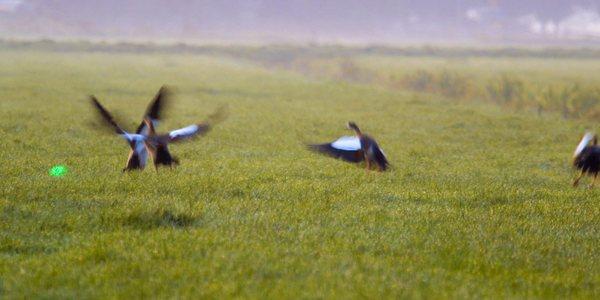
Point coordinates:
[[143, 128], [349, 143], [218, 116], [583, 143], [106, 117], [196, 129], [187, 132], [380, 157], [154, 109], [345, 148]]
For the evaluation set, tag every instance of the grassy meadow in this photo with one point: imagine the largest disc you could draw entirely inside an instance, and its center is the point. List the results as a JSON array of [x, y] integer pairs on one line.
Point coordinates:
[[478, 203]]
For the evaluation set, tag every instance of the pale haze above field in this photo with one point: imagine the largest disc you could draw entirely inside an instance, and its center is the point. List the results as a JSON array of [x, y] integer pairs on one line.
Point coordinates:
[[377, 21]]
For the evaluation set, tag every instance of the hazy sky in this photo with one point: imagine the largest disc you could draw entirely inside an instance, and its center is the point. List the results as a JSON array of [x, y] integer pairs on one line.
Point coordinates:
[[374, 21]]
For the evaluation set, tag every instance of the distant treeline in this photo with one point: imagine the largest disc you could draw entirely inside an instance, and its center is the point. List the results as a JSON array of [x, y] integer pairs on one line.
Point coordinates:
[[281, 53]]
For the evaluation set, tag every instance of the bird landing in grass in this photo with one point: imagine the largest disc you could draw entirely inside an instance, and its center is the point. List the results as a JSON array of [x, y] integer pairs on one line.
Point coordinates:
[[355, 149], [138, 154], [587, 158]]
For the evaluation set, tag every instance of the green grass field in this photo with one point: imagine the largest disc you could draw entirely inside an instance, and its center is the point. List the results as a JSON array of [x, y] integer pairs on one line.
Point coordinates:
[[478, 203]]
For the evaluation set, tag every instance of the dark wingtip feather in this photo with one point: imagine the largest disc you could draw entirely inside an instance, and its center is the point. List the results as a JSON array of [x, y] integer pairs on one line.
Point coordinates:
[[219, 115], [314, 148], [104, 115], [381, 160], [157, 107], [216, 117], [326, 149], [159, 103]]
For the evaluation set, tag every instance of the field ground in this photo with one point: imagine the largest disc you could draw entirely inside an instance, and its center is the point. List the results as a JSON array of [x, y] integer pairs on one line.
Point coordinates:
[[478, 203]]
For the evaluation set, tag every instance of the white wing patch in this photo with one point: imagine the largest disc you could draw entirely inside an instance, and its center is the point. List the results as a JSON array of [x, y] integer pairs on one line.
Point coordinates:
[[348, 143], [584, 142], [142, 153], [184, 132], [133, 137]]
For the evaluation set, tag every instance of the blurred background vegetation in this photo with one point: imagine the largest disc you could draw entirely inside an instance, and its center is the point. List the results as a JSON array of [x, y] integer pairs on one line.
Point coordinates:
[[558, 81]]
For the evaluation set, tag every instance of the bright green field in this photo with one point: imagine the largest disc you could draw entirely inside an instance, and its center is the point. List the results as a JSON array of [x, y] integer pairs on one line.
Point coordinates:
[[478, 203]]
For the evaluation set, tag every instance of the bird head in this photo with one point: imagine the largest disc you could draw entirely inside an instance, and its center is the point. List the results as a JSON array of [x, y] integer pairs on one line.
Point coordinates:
[[352, 126]]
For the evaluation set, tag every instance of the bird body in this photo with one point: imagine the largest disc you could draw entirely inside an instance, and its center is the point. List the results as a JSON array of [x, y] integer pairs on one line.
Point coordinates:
[[589, 160], [138, 155], [587, 157], [374, 153]]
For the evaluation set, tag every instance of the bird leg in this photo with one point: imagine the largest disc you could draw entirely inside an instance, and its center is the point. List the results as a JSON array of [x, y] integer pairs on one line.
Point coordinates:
[[594, 181], [576, 182]]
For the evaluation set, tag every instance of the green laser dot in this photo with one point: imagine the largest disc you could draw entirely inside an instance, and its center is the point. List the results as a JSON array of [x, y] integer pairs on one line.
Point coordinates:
[[58, 171]]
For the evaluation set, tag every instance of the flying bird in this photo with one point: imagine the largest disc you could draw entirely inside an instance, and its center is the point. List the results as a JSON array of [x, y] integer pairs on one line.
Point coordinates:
[[587, 158], [138, 155], [157, 144], [355, 149]]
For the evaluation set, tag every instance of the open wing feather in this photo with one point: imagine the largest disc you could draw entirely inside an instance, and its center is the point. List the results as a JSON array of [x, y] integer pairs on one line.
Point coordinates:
[[105, 116], [379, 156], [349, 143], [346, 148], [155, 109], [196, 129], [585, 141], [187, 132]]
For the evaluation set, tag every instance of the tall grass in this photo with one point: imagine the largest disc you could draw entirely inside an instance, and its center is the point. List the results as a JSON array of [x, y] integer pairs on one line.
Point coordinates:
[[571, 99]]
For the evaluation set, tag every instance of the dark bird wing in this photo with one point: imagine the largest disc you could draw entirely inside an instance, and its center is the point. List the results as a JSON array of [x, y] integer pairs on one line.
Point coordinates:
[[154, 110], [105, 116], [379, 156], [346, 148]]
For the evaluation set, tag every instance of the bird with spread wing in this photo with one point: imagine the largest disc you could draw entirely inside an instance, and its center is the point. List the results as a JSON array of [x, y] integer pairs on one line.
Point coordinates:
[[358, 148], [157, 144], [145, 140]]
